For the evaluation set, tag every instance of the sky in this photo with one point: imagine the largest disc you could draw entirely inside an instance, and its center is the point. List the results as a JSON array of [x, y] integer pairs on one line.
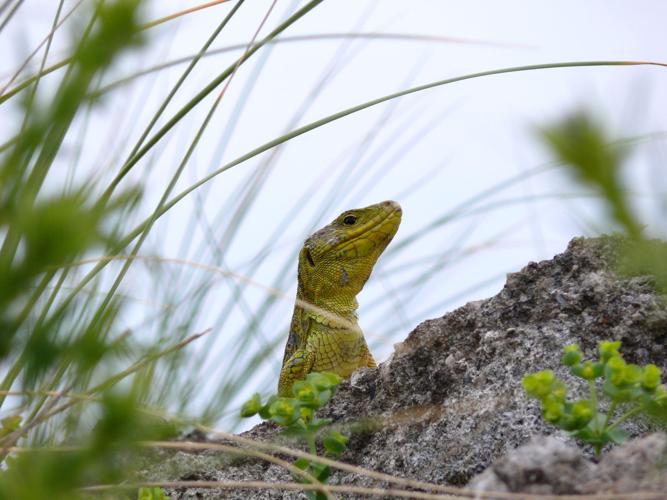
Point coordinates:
[[438, 152]]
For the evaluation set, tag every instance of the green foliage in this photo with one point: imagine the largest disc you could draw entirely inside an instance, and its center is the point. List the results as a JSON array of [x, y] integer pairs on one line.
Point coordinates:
[[117, 29], [297, 416], [45, 233], [9, 425], [67, 403], [635, 389], [152, 494], [50, 343], [581, 143], [103, 457]]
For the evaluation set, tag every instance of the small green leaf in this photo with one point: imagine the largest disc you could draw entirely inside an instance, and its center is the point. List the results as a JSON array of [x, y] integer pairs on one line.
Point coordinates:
[[541, 384], [252, 406], [297, 428], [335, 442], [620, 394], [571, 355], [616, 435], [285, 411], [597, 423], [9, 424], [582, 413], [321, 472], [568, 421], [608, 350], [588, 371], [655, 404], [307, 393], [651, 377], [152, 494], [324, 397], [302, 463], [315, 495], [264, 410], [585, 434], [553, 409], [614, 370], [323, 380], [307, 413], [284, 421], [633, 374], [318, 423]]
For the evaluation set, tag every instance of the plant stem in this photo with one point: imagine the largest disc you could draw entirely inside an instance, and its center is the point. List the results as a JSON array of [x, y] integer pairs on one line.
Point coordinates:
[[624, 417], [610, 413], [310, 439], [593, 396]]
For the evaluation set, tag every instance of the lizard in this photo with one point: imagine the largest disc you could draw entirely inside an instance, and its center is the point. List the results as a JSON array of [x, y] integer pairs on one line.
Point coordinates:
[[334, 264]]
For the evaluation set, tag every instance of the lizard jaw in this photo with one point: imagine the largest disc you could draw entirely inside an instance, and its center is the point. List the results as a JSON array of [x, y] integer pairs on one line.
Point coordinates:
[[376, 236]]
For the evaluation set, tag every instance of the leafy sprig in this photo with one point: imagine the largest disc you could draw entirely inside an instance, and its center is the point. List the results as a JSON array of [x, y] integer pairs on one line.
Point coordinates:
[[629, 387], [298, 417], [151, 494]]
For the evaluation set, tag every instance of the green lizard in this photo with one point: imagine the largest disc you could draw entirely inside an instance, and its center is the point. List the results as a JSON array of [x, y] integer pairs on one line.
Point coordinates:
[[334, 264]]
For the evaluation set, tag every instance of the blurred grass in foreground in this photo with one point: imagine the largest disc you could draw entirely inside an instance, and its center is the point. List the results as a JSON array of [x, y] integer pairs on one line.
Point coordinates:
[[598, 160], [61, 353]]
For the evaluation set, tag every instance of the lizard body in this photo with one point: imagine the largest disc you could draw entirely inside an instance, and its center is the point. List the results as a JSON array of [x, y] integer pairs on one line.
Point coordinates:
[[334, 264]]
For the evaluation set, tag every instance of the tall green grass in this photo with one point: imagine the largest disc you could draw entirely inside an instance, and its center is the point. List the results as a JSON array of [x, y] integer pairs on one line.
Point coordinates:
[[84, 365]]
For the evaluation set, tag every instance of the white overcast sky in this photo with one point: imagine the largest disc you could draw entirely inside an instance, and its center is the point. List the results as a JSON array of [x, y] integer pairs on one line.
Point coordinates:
[[430, 151]]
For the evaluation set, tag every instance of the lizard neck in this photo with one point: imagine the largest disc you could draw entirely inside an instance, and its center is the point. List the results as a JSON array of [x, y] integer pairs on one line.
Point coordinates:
[[327, 309]]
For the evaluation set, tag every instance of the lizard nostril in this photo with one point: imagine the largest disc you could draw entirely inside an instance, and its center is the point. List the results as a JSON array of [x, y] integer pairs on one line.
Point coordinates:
[[393, 205]]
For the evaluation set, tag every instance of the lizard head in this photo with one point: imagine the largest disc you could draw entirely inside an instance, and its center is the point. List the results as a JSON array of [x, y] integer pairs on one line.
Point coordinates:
[[336, 261]]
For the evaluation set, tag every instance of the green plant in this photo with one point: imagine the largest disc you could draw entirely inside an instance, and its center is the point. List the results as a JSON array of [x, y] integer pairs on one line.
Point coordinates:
[[61, 354], [597, 159], [297, 416], [634, 389], [151, 494]]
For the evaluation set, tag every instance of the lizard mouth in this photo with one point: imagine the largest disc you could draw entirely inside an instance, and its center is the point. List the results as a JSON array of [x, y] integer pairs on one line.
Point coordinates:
[[309, 257], [377, 231], [355, 233]]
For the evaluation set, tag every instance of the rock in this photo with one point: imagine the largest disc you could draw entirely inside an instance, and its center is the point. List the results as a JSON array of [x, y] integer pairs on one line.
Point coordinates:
[[639, 465], [548, 466], [449, 400], [545, 466]]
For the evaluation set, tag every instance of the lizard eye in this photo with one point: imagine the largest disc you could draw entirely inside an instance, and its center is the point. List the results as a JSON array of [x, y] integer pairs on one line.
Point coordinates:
[[350, 220]]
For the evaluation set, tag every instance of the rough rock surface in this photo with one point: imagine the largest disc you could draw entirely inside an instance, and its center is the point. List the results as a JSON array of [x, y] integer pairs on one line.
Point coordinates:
[[449, 401], [548, 466]]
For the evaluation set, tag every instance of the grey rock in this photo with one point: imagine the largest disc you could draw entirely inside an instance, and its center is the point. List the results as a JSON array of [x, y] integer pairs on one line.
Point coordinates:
[[449, 400], [546, 465], [639, 465]]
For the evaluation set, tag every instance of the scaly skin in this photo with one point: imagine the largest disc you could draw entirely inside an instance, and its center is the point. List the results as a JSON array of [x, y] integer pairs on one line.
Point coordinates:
[[334, 264]]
